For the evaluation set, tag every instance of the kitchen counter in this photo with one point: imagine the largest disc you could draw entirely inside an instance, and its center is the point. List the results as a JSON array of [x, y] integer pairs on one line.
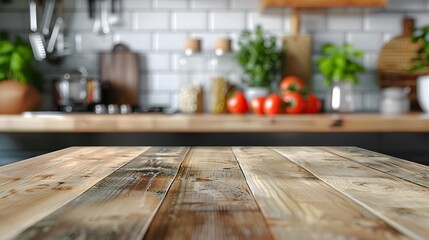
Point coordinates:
[[140, 123], [214, 193]]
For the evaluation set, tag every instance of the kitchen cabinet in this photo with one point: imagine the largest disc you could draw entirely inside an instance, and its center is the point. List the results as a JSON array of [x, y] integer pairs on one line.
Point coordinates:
[[214, 193], [322, 3]]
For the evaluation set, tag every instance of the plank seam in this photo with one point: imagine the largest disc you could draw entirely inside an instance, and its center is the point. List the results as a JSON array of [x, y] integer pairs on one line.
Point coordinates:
[[253, 196], [77, 196], [340, 155], [392, 223], [150, 220]]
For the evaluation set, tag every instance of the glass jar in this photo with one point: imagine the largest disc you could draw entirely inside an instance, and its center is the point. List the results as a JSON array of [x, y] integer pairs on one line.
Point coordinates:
[[191, 66], [224, 71], [342, 97]]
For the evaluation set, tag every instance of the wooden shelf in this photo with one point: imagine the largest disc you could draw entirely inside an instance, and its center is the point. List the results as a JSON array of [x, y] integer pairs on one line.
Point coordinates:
[[322, 3], [91, 123]]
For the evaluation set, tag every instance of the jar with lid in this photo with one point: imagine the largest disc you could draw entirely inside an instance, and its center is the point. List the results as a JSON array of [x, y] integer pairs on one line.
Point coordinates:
[[191, 67], [224, 71]]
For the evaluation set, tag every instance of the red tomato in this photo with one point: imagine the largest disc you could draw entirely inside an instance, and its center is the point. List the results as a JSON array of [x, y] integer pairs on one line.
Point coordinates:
[[273, 104], [237, 104], [312, 104], [294, 101], [257, 105], [291, 83]]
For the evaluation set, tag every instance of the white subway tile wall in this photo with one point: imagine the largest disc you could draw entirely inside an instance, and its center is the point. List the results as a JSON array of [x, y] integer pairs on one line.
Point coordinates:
[[156, 29]]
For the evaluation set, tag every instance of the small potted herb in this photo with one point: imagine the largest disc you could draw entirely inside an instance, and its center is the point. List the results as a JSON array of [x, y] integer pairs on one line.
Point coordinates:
[[421, 64], [19, 81], [260, 60], [340, 67]]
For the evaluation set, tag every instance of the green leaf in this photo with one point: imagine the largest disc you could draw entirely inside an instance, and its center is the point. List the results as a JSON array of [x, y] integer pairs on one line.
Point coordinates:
[[6, 47], [25, 52], [4, 60], [338, 74], [328, 49], [3, 74], [340, 62], [358, 54], [16, 62]]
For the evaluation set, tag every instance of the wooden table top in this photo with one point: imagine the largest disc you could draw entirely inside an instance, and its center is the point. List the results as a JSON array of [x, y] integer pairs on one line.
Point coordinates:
[[214, 193], [195, 123]]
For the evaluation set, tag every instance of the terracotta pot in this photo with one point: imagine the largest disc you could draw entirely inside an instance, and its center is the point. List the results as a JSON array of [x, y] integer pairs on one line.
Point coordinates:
[[16, 97]]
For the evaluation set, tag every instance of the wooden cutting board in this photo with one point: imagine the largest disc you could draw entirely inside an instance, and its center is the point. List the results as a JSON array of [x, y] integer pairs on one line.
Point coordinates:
[[121, 68], [395, 60], [298, 52]]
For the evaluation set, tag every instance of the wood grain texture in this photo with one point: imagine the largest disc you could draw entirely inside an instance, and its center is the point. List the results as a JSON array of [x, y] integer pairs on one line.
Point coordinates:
[[37, 194], [408, 171], [120, 206], [297, 205], [76, 123], [209, 200], [401, 204], [16, 171]]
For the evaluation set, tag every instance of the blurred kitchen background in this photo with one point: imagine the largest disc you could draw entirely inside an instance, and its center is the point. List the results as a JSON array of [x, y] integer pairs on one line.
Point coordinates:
[[156, 30]]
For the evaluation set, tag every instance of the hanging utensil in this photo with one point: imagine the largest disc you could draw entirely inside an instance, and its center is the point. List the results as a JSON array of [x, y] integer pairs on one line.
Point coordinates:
[[104, 16], [55, 33], [37, 40], [33, 15], [116, 12], [91, 8], [48, 11], [101, 23]]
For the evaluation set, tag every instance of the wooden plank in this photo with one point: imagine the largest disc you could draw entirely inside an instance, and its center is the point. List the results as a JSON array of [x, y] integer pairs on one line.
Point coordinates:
[[298, 205], [120, 206], [28, 168], [406, 170], [402, 204], [85, 123], [31, 198], [209, 200]]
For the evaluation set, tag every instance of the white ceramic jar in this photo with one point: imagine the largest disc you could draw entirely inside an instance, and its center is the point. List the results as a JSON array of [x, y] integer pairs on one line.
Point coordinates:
[[423, 92], [395, 100]]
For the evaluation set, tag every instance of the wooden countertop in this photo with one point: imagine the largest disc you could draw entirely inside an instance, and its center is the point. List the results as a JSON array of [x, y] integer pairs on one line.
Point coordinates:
[[70, 123], [214, 193]]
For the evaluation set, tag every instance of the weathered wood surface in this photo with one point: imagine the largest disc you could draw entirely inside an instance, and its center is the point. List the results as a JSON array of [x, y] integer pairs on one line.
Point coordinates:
[[209, 200], [16, 171], [120, 206], [298, 205], [409, 171], [33, 196], [401, 204], [214, 193]]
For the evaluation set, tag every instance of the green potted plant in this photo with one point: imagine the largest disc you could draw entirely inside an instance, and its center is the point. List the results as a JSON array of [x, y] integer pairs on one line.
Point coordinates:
[[20, 83], [340, 67], [421, 63], [260, 60]]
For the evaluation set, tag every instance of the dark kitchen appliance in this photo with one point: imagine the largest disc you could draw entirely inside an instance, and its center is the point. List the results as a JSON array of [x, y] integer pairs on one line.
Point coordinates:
[[76, 92]]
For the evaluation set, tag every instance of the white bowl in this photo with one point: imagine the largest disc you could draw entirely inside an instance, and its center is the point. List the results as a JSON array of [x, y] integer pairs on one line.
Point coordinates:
[[423, 92]]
